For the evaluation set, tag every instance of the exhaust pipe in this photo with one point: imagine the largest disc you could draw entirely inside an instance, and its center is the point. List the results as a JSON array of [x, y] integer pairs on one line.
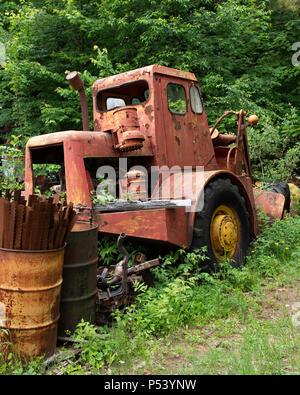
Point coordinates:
[[77, 84]]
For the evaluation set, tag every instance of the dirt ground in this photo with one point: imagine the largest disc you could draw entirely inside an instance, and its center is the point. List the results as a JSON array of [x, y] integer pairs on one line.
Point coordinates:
[[196, 343], [192, 344]]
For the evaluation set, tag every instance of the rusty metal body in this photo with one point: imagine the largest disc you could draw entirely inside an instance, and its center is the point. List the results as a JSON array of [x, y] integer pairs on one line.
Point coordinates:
[[30, 285], [78, 294], [147, 134], [42, 224]]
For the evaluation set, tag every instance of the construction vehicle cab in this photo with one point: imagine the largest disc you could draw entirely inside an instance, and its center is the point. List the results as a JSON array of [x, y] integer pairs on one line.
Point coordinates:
[[151, 131]]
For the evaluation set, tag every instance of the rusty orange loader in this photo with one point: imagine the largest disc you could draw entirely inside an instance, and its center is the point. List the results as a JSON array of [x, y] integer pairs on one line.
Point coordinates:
[[173, 178]]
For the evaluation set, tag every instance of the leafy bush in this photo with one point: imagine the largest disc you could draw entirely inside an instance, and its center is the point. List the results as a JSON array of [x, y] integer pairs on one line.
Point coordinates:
[[96, 344], [275, 146], [12, 169], [180, 263], [240, 52], [109, 254], [159, 311], [278, 239]]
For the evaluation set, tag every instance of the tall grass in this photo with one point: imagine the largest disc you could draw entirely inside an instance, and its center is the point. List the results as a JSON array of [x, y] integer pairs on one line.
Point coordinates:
[[269, 349], [184, 298]]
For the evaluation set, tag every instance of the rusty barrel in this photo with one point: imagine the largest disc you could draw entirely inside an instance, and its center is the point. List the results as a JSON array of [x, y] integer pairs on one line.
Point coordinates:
[[30, 286], [79, 288]]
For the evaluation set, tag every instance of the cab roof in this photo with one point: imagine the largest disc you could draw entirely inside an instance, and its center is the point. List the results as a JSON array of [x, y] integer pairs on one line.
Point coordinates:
[[142, 73]]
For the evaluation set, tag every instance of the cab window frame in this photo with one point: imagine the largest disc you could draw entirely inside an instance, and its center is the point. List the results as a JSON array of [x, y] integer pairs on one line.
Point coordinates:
[[186, 101], [110, 92], [192, 103]]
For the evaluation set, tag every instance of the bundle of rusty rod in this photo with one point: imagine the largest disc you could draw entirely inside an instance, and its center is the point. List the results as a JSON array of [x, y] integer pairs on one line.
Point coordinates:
[[41, 224]]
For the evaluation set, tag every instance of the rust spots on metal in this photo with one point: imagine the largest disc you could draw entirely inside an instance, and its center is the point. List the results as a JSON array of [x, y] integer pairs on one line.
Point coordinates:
[[141, 224], [176, 122], [148, 111], [271, 203], [30, 296], [148, 133], [40, 225], [177, 125], [77, 84], [126, 134]]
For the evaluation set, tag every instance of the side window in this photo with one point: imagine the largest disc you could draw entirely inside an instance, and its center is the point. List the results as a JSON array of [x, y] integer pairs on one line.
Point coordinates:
[[176, 98], [196, 102], [114, 102]]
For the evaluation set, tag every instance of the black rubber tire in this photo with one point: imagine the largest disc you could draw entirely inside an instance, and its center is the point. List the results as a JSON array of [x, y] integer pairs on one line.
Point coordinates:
[[284, 189], [221, 192]]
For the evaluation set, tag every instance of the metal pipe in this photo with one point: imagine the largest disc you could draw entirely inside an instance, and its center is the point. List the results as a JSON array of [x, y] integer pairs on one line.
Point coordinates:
[[77, 84], [123, 251], [224, 140], [220, 119]]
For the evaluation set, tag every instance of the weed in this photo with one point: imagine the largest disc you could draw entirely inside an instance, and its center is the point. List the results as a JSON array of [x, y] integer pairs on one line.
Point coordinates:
[[12, 169], [180, 263], [183, 298], [268, 350], [108, 251]]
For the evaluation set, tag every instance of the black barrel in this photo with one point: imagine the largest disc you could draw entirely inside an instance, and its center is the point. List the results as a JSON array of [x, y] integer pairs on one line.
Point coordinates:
[[79, 287]]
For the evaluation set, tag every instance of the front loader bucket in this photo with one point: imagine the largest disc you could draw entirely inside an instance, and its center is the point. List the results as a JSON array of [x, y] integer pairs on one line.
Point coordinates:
[[272, 203]]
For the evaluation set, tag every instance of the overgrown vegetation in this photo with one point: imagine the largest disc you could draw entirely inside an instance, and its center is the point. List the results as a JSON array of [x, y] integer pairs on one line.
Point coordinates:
[[240, 51], [186, 299], [12, 165]]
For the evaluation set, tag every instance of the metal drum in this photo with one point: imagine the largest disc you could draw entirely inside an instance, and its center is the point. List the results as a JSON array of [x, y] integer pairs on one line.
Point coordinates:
[[79, 288], [30, 285]]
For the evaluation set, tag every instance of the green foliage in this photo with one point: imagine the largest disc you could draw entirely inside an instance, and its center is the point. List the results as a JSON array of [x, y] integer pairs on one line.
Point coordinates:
[[180, 263], [109, 254], [12, 365], [277, 246], [186, 297], [96, 343], [51, 171], [240, 51], [159, 311], [102, 346], [282, 235], [108, 251], [275, 149], [102, 194], [12, 169]]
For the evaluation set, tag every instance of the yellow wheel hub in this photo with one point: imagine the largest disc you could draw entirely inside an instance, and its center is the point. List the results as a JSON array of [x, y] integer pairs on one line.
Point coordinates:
[[284, 214], [224, 231]]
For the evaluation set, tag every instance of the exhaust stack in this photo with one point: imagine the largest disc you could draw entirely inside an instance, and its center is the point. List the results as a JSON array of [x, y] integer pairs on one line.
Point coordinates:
[[77, 84]]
